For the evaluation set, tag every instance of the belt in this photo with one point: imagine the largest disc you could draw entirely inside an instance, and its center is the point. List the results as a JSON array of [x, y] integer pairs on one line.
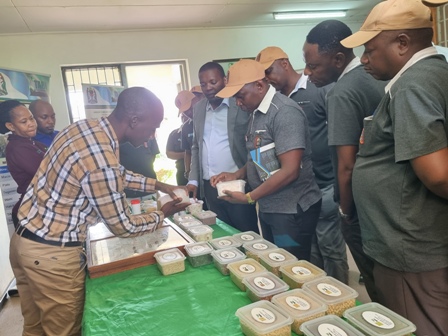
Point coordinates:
[[25, 233]]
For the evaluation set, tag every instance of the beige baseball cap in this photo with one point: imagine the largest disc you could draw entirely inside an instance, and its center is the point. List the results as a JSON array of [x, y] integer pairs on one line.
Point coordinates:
[[243, 72], [196, 89], [391, 15], [269, 55], [435, 2], [183, 100]]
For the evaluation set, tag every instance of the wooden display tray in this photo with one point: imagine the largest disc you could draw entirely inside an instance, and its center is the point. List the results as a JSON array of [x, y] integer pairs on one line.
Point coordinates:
[[108, 254]]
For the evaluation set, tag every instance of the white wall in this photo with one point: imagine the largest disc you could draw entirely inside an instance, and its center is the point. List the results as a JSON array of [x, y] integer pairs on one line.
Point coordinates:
[[46, 53]]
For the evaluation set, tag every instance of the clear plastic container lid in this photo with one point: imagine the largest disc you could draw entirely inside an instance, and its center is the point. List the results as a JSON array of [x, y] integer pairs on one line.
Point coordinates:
[[265, 284], [198, 249], [259, 246], [169, 256], [330, 290], [228, 255], [205, 214], [298, 304], [246, 267], [330, 325], [247, 237], [200, 230], [301, 271], [185, 225], [183, 218], [236, 185], [376, 320], [224, 242], [277, 257], [263, 317]]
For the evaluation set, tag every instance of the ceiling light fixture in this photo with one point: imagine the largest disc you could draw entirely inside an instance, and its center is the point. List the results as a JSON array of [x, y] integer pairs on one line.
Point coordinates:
[[309, 15]]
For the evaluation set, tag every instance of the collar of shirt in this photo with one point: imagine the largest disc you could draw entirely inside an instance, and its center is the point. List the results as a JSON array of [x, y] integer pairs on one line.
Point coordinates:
[[209, 107], [108, 129], [301, 84], [353, 64], [414, 59], [266, 102]]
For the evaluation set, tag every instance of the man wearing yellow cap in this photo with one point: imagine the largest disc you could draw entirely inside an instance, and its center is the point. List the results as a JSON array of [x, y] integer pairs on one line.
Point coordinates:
[[400, 181], [289, 199], [218, 146], [328, 250]]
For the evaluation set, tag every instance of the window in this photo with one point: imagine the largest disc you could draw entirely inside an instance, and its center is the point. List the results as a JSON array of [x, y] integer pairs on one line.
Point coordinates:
[[442, 26]]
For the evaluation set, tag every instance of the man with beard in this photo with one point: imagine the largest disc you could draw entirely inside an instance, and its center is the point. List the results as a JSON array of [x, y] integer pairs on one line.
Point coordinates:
[[219, 146]]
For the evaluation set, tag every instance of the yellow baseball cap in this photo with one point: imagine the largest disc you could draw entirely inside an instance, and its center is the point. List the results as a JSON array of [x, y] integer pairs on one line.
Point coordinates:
[[243, 72], [183, 100], [391, 15], [269, 55]]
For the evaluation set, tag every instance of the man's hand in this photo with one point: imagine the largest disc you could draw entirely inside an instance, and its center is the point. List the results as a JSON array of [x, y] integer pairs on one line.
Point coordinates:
[[222, 177], [170, 208], [192, 189], [235, 197], [169, 189]]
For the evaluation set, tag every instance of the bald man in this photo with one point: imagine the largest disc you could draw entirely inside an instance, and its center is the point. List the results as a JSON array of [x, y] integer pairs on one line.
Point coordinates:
[[80, 181], [46, 119]]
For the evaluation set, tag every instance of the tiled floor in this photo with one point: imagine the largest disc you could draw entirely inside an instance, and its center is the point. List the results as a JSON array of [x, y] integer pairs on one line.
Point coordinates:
[[11, 320]]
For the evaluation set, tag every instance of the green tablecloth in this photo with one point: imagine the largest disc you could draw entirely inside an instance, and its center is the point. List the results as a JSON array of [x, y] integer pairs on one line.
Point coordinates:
[[199, 301]]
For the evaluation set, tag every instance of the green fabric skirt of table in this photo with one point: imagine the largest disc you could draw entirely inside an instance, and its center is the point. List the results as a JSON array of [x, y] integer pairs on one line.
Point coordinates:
[[198, 301]]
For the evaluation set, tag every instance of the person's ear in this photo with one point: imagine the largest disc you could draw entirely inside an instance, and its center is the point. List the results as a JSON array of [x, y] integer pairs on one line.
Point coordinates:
[[133, 121], [403, 42], [339, 60], [225, 80], [10, 126]]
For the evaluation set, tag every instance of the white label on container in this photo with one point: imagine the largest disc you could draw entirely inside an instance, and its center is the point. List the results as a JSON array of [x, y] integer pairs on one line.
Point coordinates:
[[263, 315], [199, 229], [169, 256], [224, 242], [378, 320], [264, 283], [260, 246], [247, 268], [302, 271], [327, 329], [228, 254], [198, 249], [298, 303], [247, 237], [277, 256], [328, 289]]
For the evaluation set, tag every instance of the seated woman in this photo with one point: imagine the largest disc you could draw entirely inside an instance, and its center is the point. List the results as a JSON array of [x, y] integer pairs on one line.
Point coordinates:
[[23, 154]]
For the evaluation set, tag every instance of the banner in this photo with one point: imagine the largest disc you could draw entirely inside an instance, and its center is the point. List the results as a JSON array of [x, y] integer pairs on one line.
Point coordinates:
[[23, 86], [100, 100]]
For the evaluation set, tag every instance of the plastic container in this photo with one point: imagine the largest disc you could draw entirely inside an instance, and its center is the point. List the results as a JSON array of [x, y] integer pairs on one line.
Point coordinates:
[[337, 296], [224, 242], [221, 258], [163, 198], [188, 224], [149, 206], [195, 207], [184, 217], [255, 248], [376, 320], [240, 269], [236, 185], [262, 318], [201, 233], [206, 217], [300, 306], [263, 286], [273, 259], [136, 207], [199, 254], [329, 325], [247, 237], [295, 274], [170, 261]]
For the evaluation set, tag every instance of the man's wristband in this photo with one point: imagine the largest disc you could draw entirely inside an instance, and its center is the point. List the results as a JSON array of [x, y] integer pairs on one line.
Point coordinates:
[[249, 199], [343, 215]]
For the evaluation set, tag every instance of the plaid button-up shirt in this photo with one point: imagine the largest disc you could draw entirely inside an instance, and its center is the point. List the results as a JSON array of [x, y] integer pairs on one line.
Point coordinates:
[[79, 182]]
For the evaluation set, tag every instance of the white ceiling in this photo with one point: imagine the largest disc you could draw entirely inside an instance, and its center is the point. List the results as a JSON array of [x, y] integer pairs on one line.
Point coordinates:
[[37, 16]]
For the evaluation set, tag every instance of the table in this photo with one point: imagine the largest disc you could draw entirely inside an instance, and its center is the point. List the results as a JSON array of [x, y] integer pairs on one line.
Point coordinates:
[[199, 301]]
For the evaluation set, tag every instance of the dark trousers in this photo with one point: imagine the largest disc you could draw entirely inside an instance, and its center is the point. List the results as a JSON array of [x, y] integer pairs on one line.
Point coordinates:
[[292, 232], [421, 297], [242, 217], [352, 235]]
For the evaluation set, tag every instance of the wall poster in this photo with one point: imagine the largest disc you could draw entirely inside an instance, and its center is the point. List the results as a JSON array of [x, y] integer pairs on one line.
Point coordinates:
[[100, 100]]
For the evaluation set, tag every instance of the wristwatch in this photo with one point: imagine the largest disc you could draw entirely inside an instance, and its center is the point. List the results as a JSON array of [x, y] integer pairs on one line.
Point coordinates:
[[249, 199], [343, 215]]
